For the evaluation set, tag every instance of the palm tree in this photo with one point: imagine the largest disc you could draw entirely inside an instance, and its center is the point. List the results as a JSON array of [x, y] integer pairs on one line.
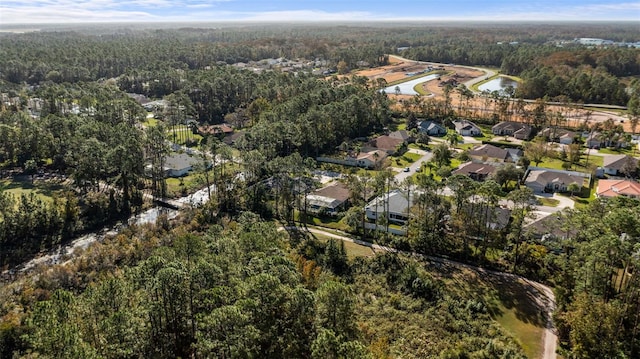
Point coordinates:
[[453, 138]]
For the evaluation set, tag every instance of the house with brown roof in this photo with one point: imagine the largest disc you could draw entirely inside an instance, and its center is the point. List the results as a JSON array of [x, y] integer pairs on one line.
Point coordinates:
[[491, 153], [330, 200], [617, 165], [615, 188], [386, 143], [517, 130], [475, 171], [222, 129], [370, 159]]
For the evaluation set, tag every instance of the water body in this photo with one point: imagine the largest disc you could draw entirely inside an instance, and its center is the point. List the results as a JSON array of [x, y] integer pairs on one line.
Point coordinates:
[[406, 88], [63, 253], [498, 84]]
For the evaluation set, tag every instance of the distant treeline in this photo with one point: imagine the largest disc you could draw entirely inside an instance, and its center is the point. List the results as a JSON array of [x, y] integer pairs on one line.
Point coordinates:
[[523, 50]]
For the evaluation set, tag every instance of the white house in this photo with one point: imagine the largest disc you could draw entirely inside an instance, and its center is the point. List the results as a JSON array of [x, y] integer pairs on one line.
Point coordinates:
[[397, 203], [467, 128], [614, 165]]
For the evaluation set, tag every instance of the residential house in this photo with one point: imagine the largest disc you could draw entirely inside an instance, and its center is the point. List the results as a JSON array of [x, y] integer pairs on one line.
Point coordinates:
[[617, 165], [179, 164], [329, 200], [615, 188], [221, 130], [396, 202], [476, 171], [549, 227], [370, 159], [467, 128], [518, 130], [386, 143], [365, 159], [496, 218], [499, 218], [598, 140], [431, 128], [404, 135], [560, 135], [543, 180], [491, 153]]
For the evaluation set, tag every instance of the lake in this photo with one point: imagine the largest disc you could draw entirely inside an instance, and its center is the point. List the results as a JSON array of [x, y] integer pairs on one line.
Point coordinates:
[[406, 88], [498, 84]]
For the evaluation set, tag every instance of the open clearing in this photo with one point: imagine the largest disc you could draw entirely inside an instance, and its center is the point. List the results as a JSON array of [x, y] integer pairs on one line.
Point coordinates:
[[22, 185], [511, 302], [398, 68]]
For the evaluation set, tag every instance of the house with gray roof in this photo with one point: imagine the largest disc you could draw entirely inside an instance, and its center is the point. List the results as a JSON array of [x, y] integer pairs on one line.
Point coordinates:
[[616, 165], [491, 153], [542, 180], [431, 128], [467, 128], [179, 164], [517, 130], [398, 204], [560, 135], [404, 135]]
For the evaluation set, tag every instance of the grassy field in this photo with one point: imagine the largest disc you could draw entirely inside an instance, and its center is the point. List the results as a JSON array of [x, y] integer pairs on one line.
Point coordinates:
[[326, 222], [548, 202], [150, 122], [177, 187], [405, 160], [631, 151], [182, 134], [509, 301], [353, 250], [43, 190]]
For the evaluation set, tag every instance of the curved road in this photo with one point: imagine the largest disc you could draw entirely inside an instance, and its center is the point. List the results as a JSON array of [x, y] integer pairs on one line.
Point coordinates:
[[488, 73], [545, 297]]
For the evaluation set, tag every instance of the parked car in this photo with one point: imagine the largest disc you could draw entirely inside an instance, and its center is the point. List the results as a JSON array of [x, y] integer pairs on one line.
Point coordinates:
[[406, 169]]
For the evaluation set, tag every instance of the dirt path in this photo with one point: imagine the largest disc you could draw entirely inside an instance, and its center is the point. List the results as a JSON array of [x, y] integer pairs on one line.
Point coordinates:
[[544, 295]]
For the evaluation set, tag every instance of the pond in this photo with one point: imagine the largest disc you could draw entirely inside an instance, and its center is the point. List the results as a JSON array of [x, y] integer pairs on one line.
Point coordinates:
[[406, 88], [498, 84]]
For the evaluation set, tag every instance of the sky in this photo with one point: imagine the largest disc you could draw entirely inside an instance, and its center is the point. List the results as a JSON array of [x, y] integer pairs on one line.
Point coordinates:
[[91, 11]]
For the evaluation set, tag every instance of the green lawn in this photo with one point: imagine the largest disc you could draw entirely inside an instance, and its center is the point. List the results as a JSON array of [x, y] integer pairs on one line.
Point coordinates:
[[405, 160], [552, 163], [631, 151], [43, 190], [466, 146], [326, 222], [150, 122], [548, 202], [353, 249], [177, 187], [182, 134]]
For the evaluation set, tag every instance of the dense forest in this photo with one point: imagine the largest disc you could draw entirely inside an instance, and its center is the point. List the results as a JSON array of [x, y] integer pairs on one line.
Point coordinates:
[[573, 72], [226, 279]]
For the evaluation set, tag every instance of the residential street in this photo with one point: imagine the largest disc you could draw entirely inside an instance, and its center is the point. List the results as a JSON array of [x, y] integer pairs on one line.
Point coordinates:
[[426, 157]]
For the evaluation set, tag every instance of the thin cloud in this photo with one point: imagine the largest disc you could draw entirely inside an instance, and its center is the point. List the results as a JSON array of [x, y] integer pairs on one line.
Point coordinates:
[[66, 11]]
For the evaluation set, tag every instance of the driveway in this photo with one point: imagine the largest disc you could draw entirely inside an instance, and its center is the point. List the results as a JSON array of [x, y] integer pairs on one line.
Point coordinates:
[[425, 157]]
